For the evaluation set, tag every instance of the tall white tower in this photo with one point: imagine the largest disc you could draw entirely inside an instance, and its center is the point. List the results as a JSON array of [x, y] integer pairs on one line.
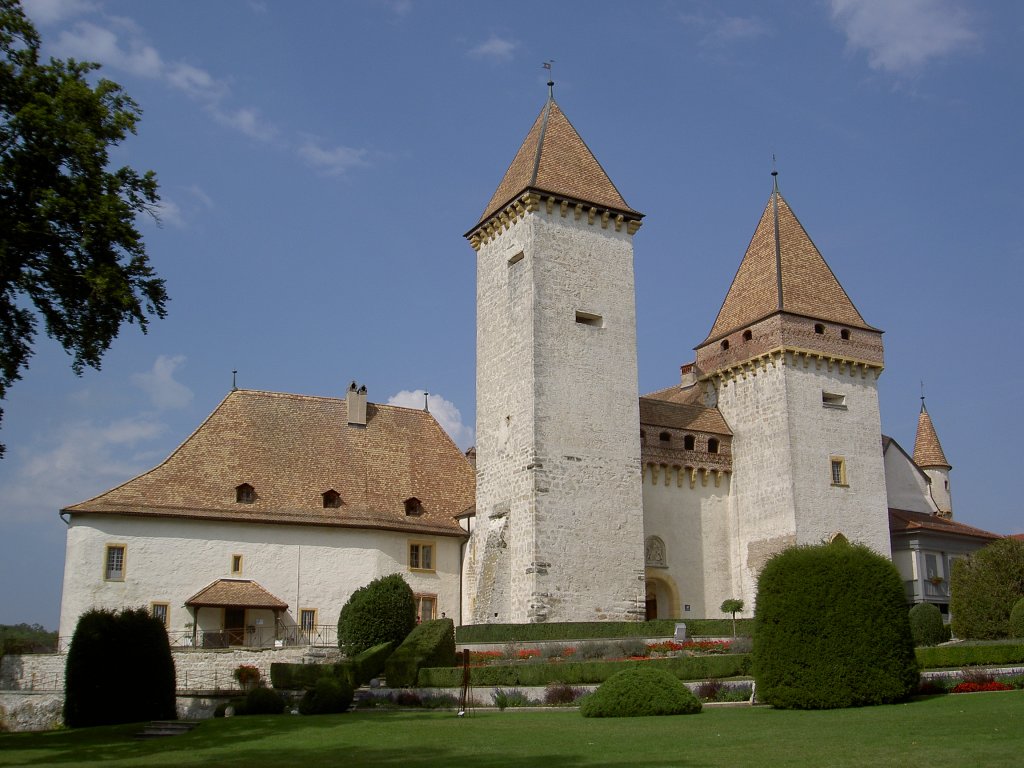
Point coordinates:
[[558, 532], [793, 368]]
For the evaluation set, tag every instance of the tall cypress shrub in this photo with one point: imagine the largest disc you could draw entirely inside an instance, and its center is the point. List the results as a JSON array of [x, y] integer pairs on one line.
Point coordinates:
[[831, 629], [119, 669], [382, 611]]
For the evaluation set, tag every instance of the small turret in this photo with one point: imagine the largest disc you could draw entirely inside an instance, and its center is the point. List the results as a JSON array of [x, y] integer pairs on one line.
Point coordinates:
[[928, 455]]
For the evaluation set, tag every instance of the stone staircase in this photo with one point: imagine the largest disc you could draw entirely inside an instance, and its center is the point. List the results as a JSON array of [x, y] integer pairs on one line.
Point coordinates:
[[159, 728]]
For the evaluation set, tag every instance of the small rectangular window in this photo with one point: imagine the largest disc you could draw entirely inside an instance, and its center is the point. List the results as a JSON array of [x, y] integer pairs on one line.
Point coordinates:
[[832, 400], [515, 259], [421, 556], [160, 611], [838, 471], [588, 318], [114, 562], [236, 565]]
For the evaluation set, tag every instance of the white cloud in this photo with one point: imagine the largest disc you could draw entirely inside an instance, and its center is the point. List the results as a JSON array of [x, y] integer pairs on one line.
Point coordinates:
[[246, 121], [494, 47], [334, 161], [49, 11], [82, 459], [901, 36], [723, 30], [196, 82], [164, 392], [199, 194], [447, 415], [89, 42], [168, 212]]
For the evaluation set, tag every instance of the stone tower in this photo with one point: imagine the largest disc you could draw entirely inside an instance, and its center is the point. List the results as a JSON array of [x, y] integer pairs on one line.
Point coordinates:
[[558, 531], [929, 457], [793, 368]]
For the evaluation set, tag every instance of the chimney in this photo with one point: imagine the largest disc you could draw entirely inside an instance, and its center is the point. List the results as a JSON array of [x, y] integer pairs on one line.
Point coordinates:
[[687, 375], [356, 402]]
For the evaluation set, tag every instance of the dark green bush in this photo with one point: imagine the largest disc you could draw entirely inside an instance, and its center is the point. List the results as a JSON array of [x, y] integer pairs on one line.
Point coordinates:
[[370, 663], [583, 672], [832, 630], [595, 630], [431, 644], [382, 611], [1017, 619], [984, 588], [329, 696], [119, 669], [300, 677], [237, 707], [263, 701], [640, 691], [926, 625], [942, 656]]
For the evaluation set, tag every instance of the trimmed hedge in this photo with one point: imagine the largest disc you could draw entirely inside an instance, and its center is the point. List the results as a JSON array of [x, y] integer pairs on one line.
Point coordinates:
[[590, 630], [926, 625], [302, 677], [370, 663], [640, 691], [384, 610], [431, 644], [970, 655], [1017, 619], [583, 672], [119, 669], [984, 588], [262, 701], [832, 629], [329, 696]]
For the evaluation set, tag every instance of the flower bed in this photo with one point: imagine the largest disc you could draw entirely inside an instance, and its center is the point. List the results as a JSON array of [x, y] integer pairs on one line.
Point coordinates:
[[978, 687]]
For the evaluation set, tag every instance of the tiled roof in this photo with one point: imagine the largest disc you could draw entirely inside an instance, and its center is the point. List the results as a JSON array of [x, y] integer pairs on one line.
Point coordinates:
[[927, 449], [783, 274], [677, 408], [292, 449], [554, 159], [902, 521], [236, 593]]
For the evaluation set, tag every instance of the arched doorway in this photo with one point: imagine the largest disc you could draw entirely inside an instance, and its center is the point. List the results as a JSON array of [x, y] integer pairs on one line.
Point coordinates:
[[662, 597]]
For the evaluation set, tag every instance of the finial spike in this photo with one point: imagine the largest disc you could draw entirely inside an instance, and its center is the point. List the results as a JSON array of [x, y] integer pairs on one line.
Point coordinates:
[[426, 402], [922, 394], [234, 380], [775, 174]]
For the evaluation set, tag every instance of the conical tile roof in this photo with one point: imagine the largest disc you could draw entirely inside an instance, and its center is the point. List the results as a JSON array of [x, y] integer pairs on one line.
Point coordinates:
[[927, 449], [783, 271], [554, 159]]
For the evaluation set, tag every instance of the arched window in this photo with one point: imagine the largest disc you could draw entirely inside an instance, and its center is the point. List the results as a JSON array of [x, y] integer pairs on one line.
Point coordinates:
[[748, 335], [689, 442], [819, 328], [245, 494], [712, 445], [845, 334], [332, 499], [725, 344]]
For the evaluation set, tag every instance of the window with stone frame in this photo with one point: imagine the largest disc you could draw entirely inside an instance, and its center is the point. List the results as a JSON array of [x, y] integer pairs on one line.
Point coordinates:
[[114, 562], [838, 469], [421, 556], [426, 607], [161, 612]]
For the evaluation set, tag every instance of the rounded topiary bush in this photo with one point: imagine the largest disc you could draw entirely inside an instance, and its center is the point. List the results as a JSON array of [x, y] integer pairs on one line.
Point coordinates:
[[382, 611], [926, 625], [263, 701], [329, 696], [984, 588], [831, 629], [640, 691], [1017, 619]]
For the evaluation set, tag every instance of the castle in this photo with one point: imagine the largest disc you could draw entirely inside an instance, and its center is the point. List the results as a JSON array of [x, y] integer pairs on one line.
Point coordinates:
[[587, 501]]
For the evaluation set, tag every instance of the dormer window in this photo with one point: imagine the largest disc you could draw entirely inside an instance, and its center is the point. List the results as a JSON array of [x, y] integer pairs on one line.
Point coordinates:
[[712, 445], [332, 499], [748, 335], [689, 441], [665, 437], [245, 494], [844, 334], [819, 328], [413, 506]]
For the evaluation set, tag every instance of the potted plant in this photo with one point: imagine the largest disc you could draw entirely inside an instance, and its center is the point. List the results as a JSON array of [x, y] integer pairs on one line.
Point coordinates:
[[935, 580], [248, 676]]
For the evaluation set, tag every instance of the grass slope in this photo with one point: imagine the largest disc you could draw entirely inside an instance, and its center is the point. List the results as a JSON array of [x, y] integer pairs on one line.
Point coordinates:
[[980, 729]]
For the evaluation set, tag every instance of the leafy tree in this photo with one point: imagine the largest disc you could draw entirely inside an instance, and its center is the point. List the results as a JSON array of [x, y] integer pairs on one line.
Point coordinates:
[[831, 629], [69, 250], [984, 588], [26, 638], [384, 610], [733, 606], [1017, 619]]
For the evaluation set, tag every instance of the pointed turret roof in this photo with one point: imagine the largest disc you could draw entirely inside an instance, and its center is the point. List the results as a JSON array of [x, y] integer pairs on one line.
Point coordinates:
[[783, 271], [927, 449], [554, 159]]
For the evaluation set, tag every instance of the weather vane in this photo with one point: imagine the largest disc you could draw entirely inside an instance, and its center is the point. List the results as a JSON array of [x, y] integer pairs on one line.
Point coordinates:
[[551, 76]]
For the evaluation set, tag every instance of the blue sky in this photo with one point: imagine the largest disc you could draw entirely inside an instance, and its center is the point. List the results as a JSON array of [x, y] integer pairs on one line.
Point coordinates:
[[320, 161]]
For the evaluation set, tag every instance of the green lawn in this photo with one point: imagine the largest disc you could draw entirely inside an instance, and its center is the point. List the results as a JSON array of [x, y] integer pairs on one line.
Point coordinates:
[[977, 729]]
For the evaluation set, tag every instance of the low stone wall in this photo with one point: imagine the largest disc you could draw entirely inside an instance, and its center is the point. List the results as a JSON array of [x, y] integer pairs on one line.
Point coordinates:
[[30, 711]]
